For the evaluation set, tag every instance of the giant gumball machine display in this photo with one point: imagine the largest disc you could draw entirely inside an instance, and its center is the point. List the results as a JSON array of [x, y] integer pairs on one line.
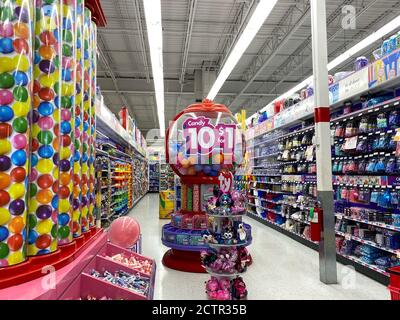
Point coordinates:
[[203, 145]]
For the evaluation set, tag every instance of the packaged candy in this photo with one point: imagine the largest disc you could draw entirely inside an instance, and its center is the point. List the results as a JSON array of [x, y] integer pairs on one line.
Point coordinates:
[[394, 119], [363, 126], [382, 122], [380, 166], [391, 166]]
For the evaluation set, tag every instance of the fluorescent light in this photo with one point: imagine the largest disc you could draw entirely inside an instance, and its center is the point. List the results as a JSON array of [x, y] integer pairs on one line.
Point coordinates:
[[261, 12], [377, 35], [152, 11]]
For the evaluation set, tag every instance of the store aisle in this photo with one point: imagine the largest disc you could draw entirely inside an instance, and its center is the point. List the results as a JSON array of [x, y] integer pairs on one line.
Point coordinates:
[[282, 268]]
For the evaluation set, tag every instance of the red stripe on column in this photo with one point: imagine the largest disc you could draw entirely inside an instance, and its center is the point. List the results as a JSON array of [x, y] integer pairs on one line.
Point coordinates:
[[322, 114]]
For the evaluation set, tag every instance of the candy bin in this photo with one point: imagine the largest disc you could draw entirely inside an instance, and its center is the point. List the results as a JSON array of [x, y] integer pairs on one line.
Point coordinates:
[[15, 100], [45, 130], [78, 123], [86, 122], [66, 155], [92, 126], [203, 146]]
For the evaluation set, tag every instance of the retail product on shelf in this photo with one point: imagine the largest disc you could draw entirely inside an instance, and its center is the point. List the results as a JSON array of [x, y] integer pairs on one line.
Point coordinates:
[[199, 169], [154, 176], [166, 177], [364, 128], [128, 176], [140, 178], [178, 193]]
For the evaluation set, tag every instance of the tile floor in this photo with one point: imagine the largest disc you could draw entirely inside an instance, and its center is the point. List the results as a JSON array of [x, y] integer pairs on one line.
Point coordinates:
[[282, 268]]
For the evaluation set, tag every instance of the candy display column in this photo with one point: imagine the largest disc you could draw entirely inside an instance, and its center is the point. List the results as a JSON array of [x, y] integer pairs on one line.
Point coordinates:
[[15, 100], [78, 126], [68, 85], [85, 219], [43, 204], [92, 130]]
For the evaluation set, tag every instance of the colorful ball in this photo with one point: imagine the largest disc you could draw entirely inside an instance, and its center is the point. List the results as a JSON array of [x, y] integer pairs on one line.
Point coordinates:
[[43, 241], [18, 174], [44, 196], [17, 207], [5, 130], [6, 113], [5, 180], [19, 141], [5, 163], [4, 233], [20, 125], [4, 198], [4, 250], [18, 158], [16, 225], [17, 190], [45, 181], [4, 216], [32, 236]]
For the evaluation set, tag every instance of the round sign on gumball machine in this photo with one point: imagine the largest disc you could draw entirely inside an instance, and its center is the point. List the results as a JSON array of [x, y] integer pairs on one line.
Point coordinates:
[[203, 146]]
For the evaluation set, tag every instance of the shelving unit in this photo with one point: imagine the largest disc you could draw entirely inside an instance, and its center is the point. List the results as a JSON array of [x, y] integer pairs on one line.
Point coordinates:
[[282, 182]]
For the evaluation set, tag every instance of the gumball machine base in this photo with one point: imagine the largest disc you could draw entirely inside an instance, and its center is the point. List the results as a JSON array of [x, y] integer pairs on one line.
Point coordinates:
[[186, 261]]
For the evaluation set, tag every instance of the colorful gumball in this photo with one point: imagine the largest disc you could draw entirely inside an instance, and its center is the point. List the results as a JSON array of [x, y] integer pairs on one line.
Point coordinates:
[[46, 88]]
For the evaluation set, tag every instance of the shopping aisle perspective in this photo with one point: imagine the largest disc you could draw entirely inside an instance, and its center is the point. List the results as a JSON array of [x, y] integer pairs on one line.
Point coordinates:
[[282, 268]]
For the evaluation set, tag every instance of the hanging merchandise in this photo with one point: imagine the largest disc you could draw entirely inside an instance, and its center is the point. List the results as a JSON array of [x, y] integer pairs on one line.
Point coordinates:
[[44, 174], [78, 123], [16, 35], [67, 101]]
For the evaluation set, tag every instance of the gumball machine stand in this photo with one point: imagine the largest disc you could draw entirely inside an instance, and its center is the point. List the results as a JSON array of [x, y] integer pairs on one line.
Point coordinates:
[[202, 144]]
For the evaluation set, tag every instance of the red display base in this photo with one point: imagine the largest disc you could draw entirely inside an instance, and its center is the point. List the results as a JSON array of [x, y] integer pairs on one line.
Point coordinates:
[[187, 261], [34, 267]]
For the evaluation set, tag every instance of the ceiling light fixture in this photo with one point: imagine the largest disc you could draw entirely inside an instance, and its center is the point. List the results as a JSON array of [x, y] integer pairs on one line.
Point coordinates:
[[377, 35], [257, 19], [152, 11]]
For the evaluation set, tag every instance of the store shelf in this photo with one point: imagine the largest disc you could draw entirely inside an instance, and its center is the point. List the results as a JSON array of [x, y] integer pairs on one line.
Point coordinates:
[[368, 242], [372, 223]]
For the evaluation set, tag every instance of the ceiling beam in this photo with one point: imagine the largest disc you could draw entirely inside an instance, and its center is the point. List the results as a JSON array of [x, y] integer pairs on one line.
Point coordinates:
[[273, 46], [186, 45], [106, 61], [145, 92], [294, 63], [142, 44]]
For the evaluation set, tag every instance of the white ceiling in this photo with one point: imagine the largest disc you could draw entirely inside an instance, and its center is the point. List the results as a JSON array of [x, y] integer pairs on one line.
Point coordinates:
[[277, 59]]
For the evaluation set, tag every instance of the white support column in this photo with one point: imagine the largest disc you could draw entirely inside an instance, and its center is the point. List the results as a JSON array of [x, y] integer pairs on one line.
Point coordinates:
[[327, 248]]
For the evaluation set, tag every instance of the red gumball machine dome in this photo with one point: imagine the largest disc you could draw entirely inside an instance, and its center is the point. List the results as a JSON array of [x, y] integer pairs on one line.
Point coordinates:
[[202, 141]]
